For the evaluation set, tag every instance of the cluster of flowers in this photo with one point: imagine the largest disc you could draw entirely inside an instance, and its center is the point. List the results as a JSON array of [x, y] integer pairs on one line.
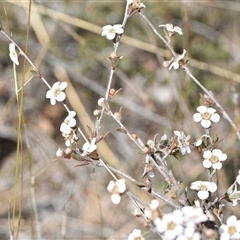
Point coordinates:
[[180, 224], [184, 224]]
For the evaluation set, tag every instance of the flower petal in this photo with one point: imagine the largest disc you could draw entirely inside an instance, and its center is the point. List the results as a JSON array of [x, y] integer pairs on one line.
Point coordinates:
[[56, 85], [203, 194], [211, 110], [223, 157], [49, 93], [61, 97], [85, 146], [215, 117], [72, 114], [14, 57], [217, 165], [195, 185], [212, 187], [111, 185], [207, 163], [207, 154], [53, 100], [63, 85], [116, 198], [12, 47], [217, 152], [121, 185], [206, 123], [197, 117], [202, 109], [110, 36]]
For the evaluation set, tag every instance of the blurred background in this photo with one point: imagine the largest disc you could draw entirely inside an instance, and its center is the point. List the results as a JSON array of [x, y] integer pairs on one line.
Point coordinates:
[[65, 43]]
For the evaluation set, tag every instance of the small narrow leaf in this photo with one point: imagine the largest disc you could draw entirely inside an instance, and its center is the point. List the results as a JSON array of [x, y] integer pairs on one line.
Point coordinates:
[[122, 130], [35, 73]]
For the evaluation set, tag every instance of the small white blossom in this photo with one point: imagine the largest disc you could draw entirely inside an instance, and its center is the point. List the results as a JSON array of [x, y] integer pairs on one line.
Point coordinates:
[[154, 204], [60, 153], [231, 230], [111, 31], [68, 123], [198, 142], [170, 225], [183, 142], [214, 159], [174, 62], [205, 115], [193, 214], [116, 188], [136, 235], [70, 138], [136, 4], [89, 147], [101, 102], [13, 54], [203, 188], [152, 213], [189, 234], [56, 92], [181, 224], [172, 29]]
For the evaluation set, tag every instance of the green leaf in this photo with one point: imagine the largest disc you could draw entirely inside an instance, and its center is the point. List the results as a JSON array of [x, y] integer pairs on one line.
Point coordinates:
[[235, 195], [35, 73]]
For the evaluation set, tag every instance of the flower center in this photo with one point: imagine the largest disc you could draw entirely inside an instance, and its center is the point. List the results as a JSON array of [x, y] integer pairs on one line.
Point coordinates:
[[57, 92], [67, 121], [231, 230], [171, 225], [203, 188], [112, 30], [214, 159], [115, 189], [206, 115]]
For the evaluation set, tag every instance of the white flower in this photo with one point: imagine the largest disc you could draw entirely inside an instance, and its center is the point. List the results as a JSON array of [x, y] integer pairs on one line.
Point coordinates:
[[194, 215], [89, 147], [12, 53], [198, 142], [70, 138], [111, 31], [203, 188], [238, 177], [60, 153], [174, 62], [231, 230], [116, 188], [101, 102], [189, 234], [153, 212], [68, 123], [56, 92], [170, 225], [205, 115], [154, 204], [172, 29], [136, 235], [183, 142], [214, 159], [136, 4]]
